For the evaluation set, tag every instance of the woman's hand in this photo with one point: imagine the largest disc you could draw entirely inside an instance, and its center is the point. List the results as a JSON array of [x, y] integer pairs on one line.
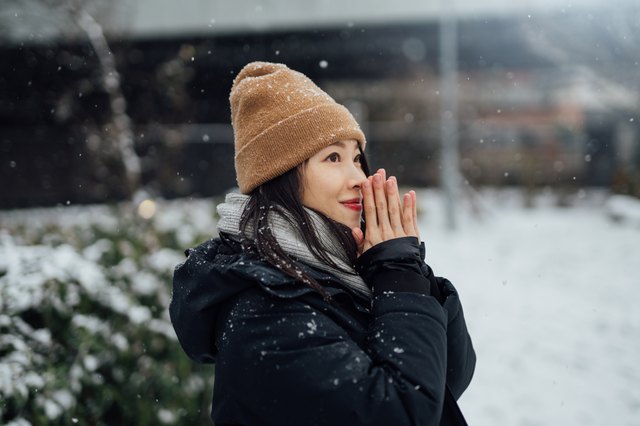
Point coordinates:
[[385, 215]]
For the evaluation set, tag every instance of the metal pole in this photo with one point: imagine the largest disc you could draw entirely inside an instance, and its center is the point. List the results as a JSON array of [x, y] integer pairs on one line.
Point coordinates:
[[449, 174]]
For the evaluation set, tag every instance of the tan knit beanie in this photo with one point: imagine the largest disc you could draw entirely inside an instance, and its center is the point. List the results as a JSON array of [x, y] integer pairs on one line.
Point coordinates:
[[281, 118]]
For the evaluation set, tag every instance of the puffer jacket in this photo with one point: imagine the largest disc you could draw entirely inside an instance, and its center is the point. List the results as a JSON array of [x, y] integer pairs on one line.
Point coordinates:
[[285, 356]]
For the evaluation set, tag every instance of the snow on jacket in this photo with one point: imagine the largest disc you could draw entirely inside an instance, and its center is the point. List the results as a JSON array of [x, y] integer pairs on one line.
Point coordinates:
[[285, 356]]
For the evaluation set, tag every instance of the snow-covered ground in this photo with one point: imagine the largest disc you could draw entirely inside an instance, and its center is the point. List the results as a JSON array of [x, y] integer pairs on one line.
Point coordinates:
[[551, 298]]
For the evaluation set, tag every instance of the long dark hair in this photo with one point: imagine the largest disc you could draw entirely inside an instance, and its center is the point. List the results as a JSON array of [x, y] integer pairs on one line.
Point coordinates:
[[283, 194]]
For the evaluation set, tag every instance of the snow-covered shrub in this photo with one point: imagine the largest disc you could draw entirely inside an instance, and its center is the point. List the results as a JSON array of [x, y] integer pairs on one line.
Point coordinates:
[[85, 335]]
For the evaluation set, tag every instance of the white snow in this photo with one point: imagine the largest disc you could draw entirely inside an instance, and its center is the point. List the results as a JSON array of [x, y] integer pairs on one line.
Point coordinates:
[[550, 296], [312, 327], [90, 362], [64, 398], [120, 342], [92, 324], [165, 416], [164, 260], [139, 314], [96, 250], [624, 209], [51, 409], [145, 283]]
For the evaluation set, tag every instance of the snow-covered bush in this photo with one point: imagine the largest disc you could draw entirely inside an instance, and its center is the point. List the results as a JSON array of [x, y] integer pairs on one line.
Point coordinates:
[[85, 335]]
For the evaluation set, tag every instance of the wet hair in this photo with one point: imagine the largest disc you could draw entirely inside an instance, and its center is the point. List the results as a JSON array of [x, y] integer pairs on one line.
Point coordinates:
[[284, 194]]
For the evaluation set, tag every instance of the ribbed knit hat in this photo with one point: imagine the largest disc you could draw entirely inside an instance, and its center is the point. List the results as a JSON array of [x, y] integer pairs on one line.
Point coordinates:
[[281, 118]]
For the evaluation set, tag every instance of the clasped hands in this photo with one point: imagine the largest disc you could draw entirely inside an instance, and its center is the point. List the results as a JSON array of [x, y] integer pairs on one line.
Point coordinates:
[[386, 216]]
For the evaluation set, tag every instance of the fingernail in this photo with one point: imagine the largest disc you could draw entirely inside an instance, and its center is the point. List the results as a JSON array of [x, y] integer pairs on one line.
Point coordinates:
[[376, 178]]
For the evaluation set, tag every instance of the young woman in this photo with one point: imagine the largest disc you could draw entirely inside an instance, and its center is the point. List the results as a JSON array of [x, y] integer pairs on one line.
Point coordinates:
[[311, 315]]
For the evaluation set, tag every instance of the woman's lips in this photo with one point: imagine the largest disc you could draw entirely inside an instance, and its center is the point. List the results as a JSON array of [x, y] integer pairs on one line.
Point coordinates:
[[355, 205]]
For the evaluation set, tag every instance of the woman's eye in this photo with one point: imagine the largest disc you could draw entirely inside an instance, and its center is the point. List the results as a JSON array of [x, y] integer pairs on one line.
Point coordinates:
[[334, 158], [357, 159]]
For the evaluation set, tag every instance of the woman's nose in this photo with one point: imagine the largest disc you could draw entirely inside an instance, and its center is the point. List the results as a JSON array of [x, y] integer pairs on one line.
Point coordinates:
[[356, 178]]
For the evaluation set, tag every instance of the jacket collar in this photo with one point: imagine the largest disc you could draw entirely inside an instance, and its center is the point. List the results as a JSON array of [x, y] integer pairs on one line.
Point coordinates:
[[276, 282]]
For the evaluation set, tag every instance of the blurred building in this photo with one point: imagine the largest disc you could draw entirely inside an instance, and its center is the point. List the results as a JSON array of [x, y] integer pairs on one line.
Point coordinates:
[[547, 95]]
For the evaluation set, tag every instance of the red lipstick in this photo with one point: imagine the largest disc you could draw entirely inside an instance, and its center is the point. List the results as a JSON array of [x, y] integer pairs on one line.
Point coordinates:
[[353, 204]]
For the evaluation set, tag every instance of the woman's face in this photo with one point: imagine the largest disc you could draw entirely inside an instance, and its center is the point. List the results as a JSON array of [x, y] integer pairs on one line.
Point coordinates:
[[331, 182]]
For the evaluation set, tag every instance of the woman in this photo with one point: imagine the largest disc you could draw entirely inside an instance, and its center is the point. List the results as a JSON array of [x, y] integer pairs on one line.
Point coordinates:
[[310, 318]]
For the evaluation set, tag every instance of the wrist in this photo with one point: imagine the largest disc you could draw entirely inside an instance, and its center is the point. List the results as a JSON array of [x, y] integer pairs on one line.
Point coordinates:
[[394, 265]]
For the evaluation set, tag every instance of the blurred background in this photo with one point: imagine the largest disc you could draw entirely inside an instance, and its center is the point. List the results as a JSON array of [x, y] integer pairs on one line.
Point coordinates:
[[547, 92], [519, 122]]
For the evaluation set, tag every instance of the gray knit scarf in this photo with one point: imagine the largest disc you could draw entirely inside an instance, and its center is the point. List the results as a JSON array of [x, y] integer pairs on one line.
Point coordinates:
[[291, 241]]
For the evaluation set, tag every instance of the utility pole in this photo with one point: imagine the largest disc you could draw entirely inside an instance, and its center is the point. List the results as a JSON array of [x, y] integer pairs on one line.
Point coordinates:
[[449, 172]]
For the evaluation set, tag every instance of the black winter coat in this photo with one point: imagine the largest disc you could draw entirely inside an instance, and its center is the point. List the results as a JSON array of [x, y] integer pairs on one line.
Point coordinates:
[[285, 356]]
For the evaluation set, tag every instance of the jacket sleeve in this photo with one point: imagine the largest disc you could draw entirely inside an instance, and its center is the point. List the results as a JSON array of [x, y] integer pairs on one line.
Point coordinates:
[[301, 367], [461, 357], [397, 265]]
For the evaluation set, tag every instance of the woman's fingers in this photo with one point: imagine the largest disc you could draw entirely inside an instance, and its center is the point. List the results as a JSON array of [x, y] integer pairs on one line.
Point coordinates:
[[407, 215], [414, 200], [369, 206], [381, 206], [386, 215], [394, 206]]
